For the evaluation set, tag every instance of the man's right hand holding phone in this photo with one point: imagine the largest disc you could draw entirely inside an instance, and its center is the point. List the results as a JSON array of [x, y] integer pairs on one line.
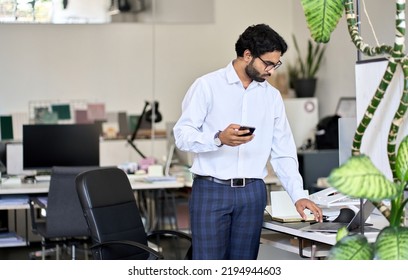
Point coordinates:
[[235, 135]]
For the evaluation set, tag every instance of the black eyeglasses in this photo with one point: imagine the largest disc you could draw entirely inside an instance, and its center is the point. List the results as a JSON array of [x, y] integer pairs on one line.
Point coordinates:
[[270, 65]]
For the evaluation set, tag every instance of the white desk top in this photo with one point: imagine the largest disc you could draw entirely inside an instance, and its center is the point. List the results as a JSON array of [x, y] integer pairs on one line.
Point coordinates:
[[140, 185], [21, 188], [137, 183], [293, 229]]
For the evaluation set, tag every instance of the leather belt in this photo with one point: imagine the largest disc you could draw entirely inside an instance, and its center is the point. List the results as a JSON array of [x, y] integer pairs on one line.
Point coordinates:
[[235, 182]]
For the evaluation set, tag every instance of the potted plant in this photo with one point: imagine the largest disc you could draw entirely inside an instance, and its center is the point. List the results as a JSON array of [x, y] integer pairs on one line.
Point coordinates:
[[359, 177], [302, 75]]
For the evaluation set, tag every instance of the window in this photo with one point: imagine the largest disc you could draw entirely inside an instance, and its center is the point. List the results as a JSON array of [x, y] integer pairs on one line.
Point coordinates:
[[25, 10], [54, 11]]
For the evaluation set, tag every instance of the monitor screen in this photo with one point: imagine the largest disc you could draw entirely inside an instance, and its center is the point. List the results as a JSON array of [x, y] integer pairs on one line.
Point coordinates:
[[179, 157], [48, 145], [3, 157]]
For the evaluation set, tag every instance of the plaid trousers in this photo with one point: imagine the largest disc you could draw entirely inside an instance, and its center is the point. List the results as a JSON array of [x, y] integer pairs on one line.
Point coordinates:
[[226, 222]]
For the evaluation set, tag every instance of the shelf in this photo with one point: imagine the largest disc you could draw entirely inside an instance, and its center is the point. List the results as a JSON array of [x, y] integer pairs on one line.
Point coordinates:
[[11, 239], [291, 244], [14, 202]]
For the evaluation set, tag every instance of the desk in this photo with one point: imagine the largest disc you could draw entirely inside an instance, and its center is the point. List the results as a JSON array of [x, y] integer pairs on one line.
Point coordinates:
[[42, 187], [16, 189], [324, 241], [150, 193], [14, 196]]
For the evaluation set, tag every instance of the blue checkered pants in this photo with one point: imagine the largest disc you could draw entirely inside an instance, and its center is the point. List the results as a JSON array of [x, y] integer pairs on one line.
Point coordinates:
[[226, 222]]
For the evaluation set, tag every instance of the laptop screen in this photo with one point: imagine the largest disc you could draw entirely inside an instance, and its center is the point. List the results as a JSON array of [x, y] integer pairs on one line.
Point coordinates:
[[356, 222]]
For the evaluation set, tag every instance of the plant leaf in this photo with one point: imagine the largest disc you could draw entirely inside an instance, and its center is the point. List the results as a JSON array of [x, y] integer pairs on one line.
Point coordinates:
[[342, 232], [302, 66], [322, 17], [359, 178], [352, 247], [402, 160], [392, 244]]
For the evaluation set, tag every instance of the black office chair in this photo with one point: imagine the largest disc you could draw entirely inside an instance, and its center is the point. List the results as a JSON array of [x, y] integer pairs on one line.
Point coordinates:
[[64, 223], [114, 220]]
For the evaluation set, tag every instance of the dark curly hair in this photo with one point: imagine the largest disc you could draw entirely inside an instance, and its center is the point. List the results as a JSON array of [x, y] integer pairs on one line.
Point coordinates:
[[260, 39]]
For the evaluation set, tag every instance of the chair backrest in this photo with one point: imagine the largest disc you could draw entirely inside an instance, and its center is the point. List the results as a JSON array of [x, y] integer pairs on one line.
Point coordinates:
[[111, 211], [64, 212]]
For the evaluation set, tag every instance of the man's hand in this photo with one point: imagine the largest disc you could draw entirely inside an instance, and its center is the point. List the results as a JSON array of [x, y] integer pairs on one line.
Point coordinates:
[[231, 136], [304, 203]]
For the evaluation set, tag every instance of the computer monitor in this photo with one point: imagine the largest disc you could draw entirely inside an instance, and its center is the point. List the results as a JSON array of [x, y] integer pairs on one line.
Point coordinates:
[[3, 157], [174, 154], [346, 107], [48, 145]]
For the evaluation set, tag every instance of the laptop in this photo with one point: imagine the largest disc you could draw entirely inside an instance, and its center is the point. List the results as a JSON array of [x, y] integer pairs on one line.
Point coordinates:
[[283, 210], [333, 227]]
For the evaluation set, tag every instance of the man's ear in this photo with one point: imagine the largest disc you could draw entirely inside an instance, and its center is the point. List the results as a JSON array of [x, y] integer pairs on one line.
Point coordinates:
[[247, 55]]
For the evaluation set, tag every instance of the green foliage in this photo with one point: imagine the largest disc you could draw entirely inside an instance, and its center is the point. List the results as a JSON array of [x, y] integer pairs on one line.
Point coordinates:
[[402, 162], [322, 17], [307, 67], [392, 244], [293, 73], [353, 247], [358, 177]]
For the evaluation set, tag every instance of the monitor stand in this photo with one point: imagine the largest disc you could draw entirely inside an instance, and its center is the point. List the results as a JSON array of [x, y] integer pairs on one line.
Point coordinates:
[[43, 175], [28, 179]]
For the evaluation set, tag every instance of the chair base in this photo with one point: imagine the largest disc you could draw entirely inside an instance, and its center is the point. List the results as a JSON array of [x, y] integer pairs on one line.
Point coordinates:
[[62, 252]]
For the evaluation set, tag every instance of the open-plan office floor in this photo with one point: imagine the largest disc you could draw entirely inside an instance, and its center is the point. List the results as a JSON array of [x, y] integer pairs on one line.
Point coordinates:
[[266, 252]]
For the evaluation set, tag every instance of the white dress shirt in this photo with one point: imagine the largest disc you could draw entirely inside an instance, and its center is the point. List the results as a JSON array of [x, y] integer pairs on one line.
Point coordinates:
[[218, 99]]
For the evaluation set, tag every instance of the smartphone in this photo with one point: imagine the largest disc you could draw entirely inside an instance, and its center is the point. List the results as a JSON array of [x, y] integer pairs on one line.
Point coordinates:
[[250, 128]]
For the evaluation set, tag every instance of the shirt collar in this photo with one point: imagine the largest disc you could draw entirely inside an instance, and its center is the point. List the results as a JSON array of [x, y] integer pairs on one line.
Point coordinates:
[[232, 75], [233, 78]]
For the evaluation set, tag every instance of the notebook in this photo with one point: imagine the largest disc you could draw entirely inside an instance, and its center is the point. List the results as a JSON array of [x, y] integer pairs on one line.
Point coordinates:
[[333, 227], [282, 208]]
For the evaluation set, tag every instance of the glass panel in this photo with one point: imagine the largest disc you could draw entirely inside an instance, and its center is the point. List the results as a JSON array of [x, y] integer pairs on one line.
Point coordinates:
[[106, 11]]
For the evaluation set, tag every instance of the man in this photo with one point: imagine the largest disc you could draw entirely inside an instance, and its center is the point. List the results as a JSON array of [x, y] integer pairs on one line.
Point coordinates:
[[229, 196]]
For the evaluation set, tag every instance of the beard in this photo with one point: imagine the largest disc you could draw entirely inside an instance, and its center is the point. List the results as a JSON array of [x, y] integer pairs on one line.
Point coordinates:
[[254, 74]]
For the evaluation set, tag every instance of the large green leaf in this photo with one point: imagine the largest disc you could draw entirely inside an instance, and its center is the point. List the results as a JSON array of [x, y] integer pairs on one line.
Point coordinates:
[[392, 244], [352, 247], [402, 160], [358, 177], [322, 17]]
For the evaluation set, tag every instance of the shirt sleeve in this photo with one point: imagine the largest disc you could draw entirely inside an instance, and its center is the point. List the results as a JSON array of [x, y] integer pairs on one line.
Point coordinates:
[[188, 132], [284, 156]]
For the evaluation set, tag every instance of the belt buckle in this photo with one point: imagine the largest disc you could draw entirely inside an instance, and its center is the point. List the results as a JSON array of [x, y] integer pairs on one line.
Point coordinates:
[[238, 183]]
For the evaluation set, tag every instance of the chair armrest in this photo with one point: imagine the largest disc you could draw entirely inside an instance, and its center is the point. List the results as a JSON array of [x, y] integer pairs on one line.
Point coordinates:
[[40, 201], [153, 255], [34, 203], [169, 232], [164, 232]]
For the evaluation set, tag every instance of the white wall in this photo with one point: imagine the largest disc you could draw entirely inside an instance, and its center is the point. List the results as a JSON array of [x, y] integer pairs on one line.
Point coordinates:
[[124, 64]]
